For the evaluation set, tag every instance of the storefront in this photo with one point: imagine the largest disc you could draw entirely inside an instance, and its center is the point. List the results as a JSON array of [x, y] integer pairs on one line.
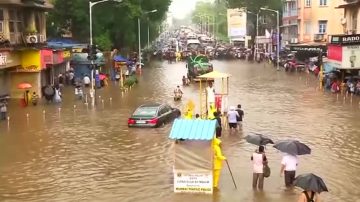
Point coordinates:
[[8, 59], [28, 72], [345, 50]]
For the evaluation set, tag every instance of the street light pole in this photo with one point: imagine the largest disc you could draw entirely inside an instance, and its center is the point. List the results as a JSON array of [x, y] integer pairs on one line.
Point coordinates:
[[148, 33], [139, 38], [257, 33], [92, 90], [277, 35], [139, 35]]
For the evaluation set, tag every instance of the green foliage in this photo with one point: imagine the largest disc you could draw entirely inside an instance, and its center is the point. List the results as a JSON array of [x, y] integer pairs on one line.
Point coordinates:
[[215, 11], [104, 41], [132, 80], [117, 21]]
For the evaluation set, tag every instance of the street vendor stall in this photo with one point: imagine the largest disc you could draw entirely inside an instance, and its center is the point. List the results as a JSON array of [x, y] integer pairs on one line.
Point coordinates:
[[193, 166], [218, 99], [120, 66]]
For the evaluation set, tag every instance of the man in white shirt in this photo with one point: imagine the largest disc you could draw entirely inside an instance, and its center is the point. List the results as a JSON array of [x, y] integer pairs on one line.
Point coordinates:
[[288, 167], [210, 93], [232, 118]]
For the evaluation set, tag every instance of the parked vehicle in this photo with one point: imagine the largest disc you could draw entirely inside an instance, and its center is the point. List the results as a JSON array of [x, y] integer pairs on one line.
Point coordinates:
[[153, 115]]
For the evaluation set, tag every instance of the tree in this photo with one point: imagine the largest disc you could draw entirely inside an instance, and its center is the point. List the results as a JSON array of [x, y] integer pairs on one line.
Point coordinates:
[[112, 22]]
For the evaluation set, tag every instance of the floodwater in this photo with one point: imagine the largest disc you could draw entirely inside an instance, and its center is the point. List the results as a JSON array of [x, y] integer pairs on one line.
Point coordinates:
[[74, 153]]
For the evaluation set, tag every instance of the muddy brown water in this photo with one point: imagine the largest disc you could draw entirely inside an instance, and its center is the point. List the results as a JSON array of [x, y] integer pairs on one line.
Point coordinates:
[[81, 154]]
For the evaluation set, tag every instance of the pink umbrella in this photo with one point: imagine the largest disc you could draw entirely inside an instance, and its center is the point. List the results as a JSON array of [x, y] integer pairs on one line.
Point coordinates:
[[102, 76], [24, 86]]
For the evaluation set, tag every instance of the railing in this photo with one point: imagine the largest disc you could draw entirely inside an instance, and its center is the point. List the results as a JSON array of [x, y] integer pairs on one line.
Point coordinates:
[[290, 13]]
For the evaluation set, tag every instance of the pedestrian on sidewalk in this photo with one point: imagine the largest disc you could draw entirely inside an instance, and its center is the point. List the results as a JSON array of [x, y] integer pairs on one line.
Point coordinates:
[[3, 110], [288, 168], [259, 160]]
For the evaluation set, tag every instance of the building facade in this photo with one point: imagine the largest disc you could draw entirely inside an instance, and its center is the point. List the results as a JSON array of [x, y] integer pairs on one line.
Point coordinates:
[[344, 49], [23, 55], [311, 21]]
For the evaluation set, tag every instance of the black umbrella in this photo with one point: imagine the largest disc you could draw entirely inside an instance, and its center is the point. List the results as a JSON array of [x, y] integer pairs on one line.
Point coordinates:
[[310, 182], [292, 147], [258, 139]]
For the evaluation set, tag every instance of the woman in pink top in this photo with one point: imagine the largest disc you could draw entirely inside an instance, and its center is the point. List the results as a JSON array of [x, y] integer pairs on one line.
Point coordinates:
[[259, 159]]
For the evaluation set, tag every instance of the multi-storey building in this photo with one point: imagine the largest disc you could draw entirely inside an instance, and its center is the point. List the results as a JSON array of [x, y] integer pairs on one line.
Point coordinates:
[[351, 21], [344, 49], [24, 57], [309, 21]]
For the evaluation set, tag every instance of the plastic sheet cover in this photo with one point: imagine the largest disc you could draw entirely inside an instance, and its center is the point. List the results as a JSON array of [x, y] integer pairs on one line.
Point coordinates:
[[194, 155]]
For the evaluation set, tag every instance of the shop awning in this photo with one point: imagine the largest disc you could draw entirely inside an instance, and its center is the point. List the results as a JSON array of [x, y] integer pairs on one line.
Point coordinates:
[[193, 129], [214, 75]]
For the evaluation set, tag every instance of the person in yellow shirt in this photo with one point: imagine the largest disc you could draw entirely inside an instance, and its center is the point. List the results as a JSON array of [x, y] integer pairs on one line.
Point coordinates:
[[218, 159], [188, 114], [211, 112]]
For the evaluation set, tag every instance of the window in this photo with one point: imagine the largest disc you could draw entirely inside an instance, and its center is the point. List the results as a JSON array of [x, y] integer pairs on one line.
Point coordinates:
[[307, 3], [307, 26], [354, 21], [1, 20], [15, 21], [322, 26], [323, 2]]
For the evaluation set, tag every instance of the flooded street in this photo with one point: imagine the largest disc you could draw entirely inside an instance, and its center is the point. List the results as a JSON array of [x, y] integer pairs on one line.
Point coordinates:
[[74, 153]]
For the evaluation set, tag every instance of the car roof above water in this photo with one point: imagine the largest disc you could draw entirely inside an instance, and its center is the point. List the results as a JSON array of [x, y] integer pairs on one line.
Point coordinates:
[[151, 105]]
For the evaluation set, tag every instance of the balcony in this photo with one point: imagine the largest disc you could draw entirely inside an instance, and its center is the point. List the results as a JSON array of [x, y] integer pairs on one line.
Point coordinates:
[[290, 13], [319, 37]]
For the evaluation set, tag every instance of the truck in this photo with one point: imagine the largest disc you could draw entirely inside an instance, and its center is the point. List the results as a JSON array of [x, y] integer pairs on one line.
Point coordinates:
[[198, 65]]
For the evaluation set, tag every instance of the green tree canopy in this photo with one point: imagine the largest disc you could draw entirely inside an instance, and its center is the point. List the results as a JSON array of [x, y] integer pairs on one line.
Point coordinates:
[[114, 24]]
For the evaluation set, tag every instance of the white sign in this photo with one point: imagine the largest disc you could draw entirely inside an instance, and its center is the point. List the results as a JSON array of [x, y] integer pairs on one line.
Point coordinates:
[[193, 182], [3, 60], [351, 57], [236, 19]]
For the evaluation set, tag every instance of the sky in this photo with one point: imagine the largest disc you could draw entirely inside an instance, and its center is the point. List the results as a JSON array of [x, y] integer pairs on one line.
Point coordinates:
[[180, 8]]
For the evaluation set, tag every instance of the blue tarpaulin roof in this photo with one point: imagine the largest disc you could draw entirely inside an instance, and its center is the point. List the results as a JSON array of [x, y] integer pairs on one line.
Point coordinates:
[[120, 58], [193, 129]]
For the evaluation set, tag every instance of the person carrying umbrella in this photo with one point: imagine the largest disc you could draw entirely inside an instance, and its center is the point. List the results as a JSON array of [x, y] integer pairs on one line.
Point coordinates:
[[218, 160], [312, 185], [289, 162], [259, 158]]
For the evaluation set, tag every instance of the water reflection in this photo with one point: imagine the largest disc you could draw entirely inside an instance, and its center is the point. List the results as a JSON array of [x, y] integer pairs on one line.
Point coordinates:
[[81, 154]]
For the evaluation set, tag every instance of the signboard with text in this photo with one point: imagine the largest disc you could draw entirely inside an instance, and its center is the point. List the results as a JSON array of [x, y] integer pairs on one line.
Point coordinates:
[[345, 39], [236, 19], [351, 57], [9, 59], [185, 182]]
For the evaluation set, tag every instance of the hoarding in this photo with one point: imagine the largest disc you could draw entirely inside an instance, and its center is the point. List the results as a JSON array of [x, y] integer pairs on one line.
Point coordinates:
[[186, 182], [236, 22], [351, 57]]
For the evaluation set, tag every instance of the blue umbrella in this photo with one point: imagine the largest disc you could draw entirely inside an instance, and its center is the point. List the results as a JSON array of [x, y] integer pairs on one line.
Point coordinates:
[[120, 58]]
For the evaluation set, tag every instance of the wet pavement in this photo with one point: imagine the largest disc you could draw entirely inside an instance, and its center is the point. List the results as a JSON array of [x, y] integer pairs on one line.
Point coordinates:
[[74, 153]]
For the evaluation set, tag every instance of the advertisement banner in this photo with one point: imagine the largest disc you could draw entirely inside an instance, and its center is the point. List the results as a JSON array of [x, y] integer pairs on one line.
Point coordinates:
[[236, 22], [335, 52], [351, 57], [30, 61], [47, 58], [193, 182], [9, 59]]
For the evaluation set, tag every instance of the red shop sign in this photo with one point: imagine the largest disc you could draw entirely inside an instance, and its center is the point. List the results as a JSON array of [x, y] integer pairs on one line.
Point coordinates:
[[335, 52]]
